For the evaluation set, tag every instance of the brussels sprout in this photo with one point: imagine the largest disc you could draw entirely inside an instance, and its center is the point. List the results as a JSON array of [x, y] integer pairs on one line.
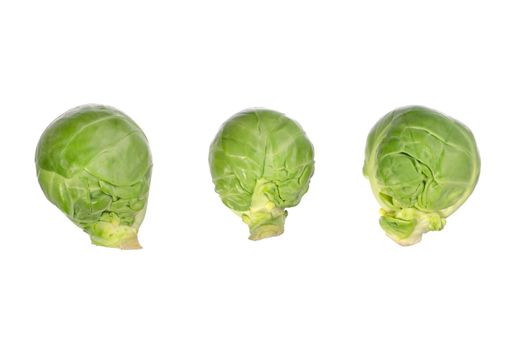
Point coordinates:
[[261, 163], [422, 166], [94, 164]]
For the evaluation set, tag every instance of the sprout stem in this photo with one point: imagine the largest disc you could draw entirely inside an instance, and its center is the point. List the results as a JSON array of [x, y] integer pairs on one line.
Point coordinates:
[[264, 218], [407, 226]]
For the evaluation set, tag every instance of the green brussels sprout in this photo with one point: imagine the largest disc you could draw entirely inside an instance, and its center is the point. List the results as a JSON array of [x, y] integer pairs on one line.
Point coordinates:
[[261, 163], [94, 163], [422, 166]]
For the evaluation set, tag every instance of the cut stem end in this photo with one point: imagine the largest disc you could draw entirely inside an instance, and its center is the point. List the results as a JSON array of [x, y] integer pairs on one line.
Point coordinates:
[[130, 243], [266, 231]]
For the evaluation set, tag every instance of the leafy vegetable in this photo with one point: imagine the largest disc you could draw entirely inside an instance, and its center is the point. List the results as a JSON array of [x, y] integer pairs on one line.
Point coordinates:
[[261, 163], [422, 166], [94, 164]]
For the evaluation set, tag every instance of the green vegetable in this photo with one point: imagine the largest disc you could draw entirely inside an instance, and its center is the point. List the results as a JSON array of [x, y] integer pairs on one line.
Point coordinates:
[[422, 166], [261, 163], [94, 164]]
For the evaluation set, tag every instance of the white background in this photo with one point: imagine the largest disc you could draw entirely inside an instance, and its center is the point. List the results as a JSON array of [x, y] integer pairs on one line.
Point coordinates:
[[333, 280]]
